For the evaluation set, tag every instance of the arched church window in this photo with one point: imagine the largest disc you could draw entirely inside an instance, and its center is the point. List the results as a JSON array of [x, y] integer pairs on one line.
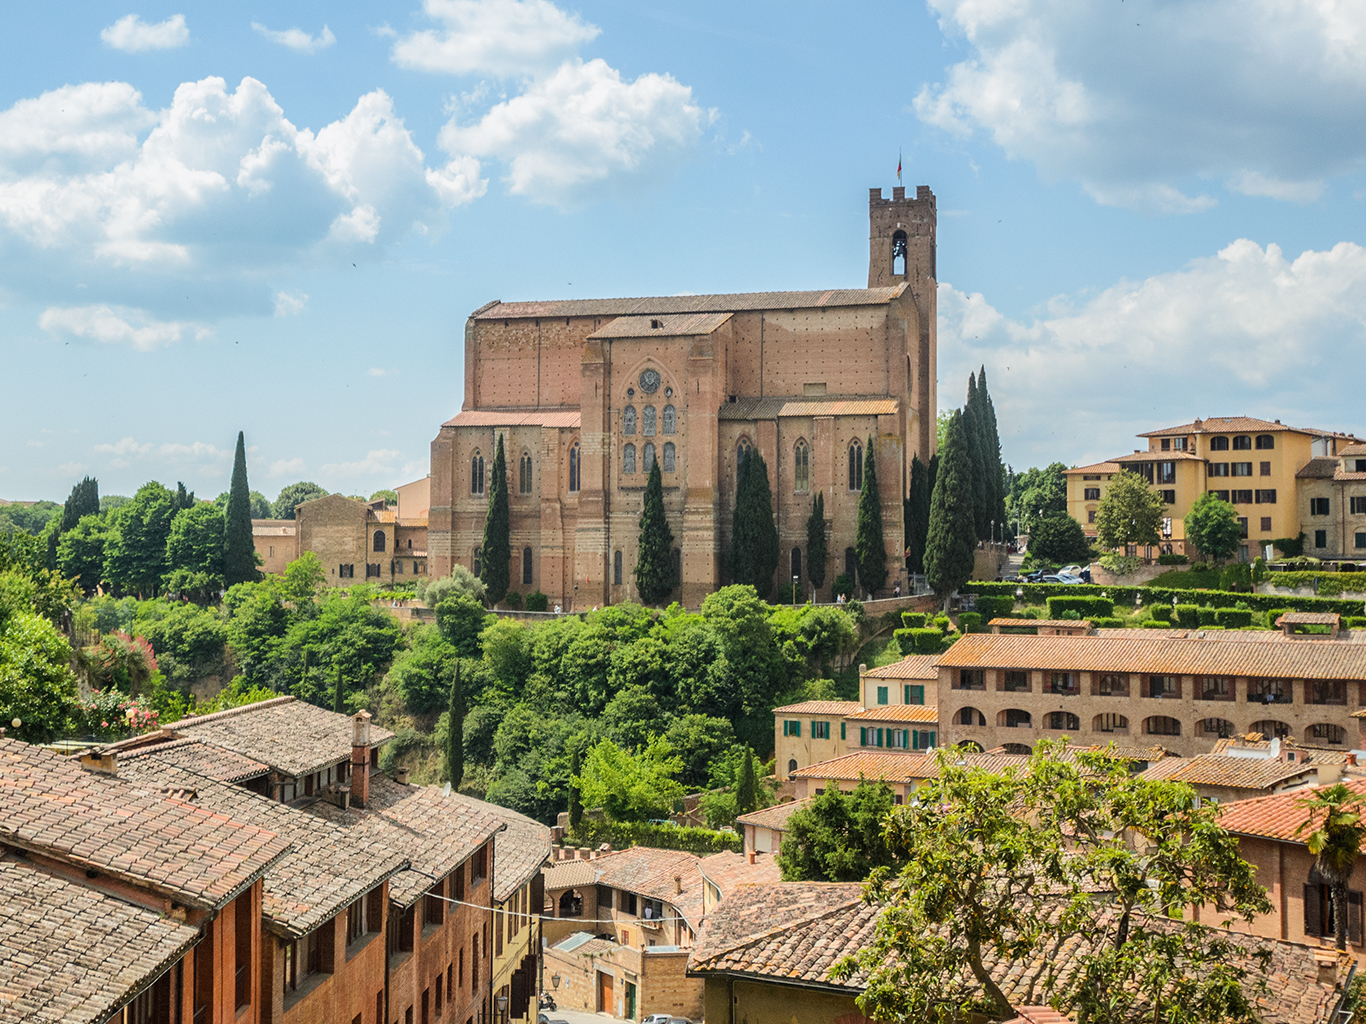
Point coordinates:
[[670, 457], [477, 473], [628, 459], [855, 466], [801, 467], [899, 254], [528, 567], [670, 420], [647, 457], [741, 450], [574, 467], [647, 421], [628, 420], [796, 563], [524, 474], [379, 540]]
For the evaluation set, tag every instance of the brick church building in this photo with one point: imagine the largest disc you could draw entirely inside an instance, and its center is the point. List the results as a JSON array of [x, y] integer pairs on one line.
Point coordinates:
[[588, 393]]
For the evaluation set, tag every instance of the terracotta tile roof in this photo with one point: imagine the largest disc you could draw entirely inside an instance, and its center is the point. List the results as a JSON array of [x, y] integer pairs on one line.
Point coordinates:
[[651, 872], [1309, 619], [324, 870], [664, 304], [665, 325], [897, 713], [1276, 816], [899, 768], [518, 850], [290, 735], [1159, 457], [728, 870], [1164, 768], [73, 955], [1189, 656], [1246, 636], [778, 407], [913, 666], [563, 418], [794, 932], [126, 830], [1227, 425], [570, 874], [821, 707], [1353, 449], [1235, 772], [1318, 468], [774, 817], [1123, 752], [194, 755], [434, 833], [1098, 467], [1054, 623], [272, 527]]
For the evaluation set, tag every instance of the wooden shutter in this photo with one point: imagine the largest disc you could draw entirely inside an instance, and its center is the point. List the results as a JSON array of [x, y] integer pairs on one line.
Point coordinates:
[[1313, 911], [1354, 917]]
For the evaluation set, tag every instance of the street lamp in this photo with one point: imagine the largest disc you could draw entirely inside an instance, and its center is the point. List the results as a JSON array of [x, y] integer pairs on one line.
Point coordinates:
[[795, 579], [502, 1002], [555, 980]]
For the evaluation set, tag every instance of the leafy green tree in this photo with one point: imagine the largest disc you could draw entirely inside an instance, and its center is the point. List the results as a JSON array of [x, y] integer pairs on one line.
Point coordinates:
[[754, 537], [261, 508], [422, 674], [1335, 841], [36, 683], [239, 550], [109, 502], [575, 800], [1001, 869], [1059, 540], [32, 518], [633, 716], [1212, 526], [699, 740], [917, 515], [631, 787], [461, 582], [83, 501], [135, 551], [257, 623], [837, 836], [755, 670], [497, 546], [194, 553], [189, 641], [50, 538], [303, 579], [339, 693], [869, 548], [390, 496], [461, 620], [342, 632], [81, 552], [817, 556], [951, 545], [655, 578], [506, 644], [292, 496], [1129, 513], [455, 732], [1037, 494]]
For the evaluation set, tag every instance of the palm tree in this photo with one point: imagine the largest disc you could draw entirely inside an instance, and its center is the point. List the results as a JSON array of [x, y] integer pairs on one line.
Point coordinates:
[[1336, 842]]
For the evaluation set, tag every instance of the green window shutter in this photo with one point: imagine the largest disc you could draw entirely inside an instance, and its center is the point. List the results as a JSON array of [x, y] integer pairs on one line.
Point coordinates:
[[842, 730], [785, 727], [917, 695], [879, 737], [863, 736], [882, 695], [933, 740], [905, 737]]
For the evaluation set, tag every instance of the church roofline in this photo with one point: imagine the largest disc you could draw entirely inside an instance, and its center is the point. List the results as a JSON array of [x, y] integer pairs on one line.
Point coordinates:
[[672, 304]]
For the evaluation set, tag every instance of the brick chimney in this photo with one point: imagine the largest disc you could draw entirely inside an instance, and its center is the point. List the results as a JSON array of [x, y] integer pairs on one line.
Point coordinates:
[[360, 758], [678, 884], [106, 762]]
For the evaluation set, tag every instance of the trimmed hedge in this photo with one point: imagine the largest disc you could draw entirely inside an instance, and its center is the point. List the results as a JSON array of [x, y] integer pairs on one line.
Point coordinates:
[[1209, 616], [1188, 616], [1161, 612], [1040, 592], [1233, 618], [970, 622], [913, 620], [919, 641], [1155, 624], [942, 623], [1107, 622], [536, 601], [1354, 621], [622, 834], [1172, 559], [995, 607], [1325, 584], [1083, 606]]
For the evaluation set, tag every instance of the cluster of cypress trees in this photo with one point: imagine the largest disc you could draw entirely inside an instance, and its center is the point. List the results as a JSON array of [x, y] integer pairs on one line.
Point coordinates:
[[496, 552], [870, 553], [754, 537], [655, 577], [961, 500]]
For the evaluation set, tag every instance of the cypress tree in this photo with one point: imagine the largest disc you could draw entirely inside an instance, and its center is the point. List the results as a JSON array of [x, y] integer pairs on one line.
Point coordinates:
[[746, 785], [754, 538], [917, 515], [950, 547], [183, 499], [575, 800], [816, 554], [239, 550], [991, 444], [84, 501], [497, 549], [973, 431], [654, 548], [338, 693], [869, 548], [455, 732]]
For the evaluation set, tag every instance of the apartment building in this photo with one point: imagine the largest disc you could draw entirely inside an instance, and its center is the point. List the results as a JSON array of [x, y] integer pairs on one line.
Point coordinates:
[[1252, 463], [1332, 504], [1183, 689]]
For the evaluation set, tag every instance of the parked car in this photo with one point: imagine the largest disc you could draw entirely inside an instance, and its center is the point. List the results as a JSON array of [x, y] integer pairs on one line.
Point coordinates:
[[656, 1018], [1067, 577]]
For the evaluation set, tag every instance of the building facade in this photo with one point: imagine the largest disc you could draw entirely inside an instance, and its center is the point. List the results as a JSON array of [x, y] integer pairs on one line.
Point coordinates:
[[1331, 495], [587, 395]]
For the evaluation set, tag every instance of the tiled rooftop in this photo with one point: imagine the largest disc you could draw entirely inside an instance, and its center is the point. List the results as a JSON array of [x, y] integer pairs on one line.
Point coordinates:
[[194, 755], [820, 707], [566, 418], [794, 932], [128, 830], [1095, 467], [728, 870], [666, 304], [1277, 816], [292, 736], [1012, 623], [1226, 425], [324, 870], [651, 872], [518, 850], [774, 817], [1288, 659], [72, 955], [913, 666], [666, 325], [1310, 618], [1234, 772], [897, 713], [570, 874], [778, 406], [899, 768]]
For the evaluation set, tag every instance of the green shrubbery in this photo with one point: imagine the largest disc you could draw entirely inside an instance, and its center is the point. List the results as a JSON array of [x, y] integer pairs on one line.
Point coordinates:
[[919, 641], [1161, 612], [1084, 606], [1325, 584], [1123, 595], [970, 622], [620, 834], [1188, 616], [913, 620], [1172, 559], [1233, 618], [536, 601]]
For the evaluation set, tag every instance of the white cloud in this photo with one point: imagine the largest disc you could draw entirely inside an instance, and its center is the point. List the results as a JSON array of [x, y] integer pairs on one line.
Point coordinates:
[[290, 305], [297, 38], [494, 37], [379, 462], [571, 131], [69, 468], [286, 467], [1140, 104], [117, 325], [376, 371], [133, 35], [1245, 332], [197, 450], [124, 446]]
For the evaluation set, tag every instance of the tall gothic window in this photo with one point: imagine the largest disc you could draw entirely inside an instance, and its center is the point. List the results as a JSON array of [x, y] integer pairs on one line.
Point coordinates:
[[574, 467], [670, 457], [628, 459], [796, 563], [670, 420], [524, 474], [477, 473], [527, 567], [628, 420], [855, 466], [741, 450], [801, 466], [647, 421], [379, 540], [647, 457], [616, 569]]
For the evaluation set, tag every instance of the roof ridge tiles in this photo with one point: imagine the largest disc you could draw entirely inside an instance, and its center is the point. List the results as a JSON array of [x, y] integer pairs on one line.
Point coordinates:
[[215, 716]]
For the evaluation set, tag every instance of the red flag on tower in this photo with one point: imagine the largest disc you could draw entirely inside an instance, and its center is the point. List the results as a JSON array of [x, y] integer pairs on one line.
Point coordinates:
[[898, 167]]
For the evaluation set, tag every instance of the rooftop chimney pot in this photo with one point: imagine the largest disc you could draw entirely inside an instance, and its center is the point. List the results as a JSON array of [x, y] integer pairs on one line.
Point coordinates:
[[678, 884]]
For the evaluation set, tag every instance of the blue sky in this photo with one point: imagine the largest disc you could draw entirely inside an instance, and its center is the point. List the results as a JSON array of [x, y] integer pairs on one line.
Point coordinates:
[[217, 217]]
